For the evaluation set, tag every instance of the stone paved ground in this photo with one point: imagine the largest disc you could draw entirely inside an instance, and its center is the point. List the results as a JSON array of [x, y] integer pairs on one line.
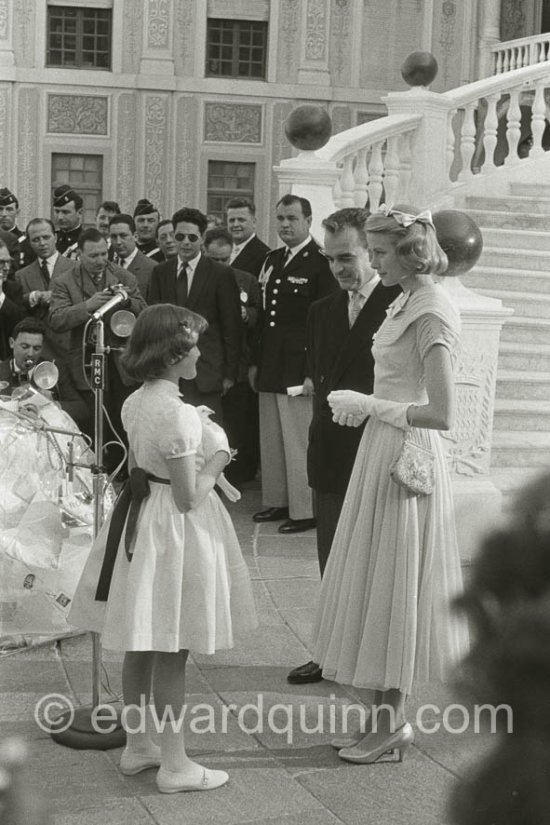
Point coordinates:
[[272, 781]]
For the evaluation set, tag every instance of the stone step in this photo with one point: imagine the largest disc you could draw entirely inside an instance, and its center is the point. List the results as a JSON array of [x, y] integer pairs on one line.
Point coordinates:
[[487, 218], [509, 203], [526, 330], [511, 448], [518, 239], [528, 190], [492, 277], [523, 303], [511, 480], [525, 416], [537, 260], [524, 357], [520, 385]]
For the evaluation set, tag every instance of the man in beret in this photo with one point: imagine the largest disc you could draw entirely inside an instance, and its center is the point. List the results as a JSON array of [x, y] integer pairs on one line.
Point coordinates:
[[67, 212], [9, 212], [146, 217]]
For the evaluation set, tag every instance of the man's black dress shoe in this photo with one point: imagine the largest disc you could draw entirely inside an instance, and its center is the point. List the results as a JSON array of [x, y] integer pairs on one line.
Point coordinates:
[[310, 672], [297, 525], [271, 514]]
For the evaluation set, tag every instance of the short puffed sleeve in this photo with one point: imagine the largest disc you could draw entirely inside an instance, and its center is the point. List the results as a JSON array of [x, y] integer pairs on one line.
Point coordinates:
[[431, 330], [180, 430]]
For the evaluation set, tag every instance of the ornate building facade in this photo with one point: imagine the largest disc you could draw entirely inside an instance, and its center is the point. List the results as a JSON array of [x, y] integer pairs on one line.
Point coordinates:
[[184, 101]]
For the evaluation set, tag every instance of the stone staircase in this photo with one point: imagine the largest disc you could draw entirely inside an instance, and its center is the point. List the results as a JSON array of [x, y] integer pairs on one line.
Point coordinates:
[[515, 267]]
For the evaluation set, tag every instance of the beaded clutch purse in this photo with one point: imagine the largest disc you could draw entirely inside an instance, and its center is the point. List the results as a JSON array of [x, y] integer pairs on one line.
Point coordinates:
[[414, 468]]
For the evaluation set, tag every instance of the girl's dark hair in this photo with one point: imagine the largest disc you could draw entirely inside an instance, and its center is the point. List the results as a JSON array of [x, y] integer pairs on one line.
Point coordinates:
[[163, 334]]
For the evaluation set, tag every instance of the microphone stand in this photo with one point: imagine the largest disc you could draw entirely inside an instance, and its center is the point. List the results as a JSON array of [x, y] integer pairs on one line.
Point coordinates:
[[84, 729]]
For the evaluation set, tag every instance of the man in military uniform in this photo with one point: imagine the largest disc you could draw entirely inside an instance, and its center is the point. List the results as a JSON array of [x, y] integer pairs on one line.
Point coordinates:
[[146, 217], [291, 279], [67, 212], [9, 212]]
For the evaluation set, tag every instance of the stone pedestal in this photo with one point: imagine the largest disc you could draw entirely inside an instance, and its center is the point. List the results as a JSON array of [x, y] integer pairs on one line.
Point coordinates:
[[308, 176], [468, 444]]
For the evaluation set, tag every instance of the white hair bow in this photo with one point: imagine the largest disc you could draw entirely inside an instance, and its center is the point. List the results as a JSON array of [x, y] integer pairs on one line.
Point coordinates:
[[405, 218]]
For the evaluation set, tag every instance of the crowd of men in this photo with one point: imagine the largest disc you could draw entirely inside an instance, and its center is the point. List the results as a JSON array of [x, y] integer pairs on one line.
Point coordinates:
[[285, 328]]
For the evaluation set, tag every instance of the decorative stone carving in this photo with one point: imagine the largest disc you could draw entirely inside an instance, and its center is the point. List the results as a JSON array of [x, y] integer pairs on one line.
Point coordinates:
[[4, 132], [158, 15], [232, 123], [78, 114], [184, 163], [288, 40], [4, 20], [316, 29], [512, 20], [24, 12], [340, 41], [27, 135], [131, 43], [126, 149], [447, 45], [184, 23], [155, 146], [469, 442]]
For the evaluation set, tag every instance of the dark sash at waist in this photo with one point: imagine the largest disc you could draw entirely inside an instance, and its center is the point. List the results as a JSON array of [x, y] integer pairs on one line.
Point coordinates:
[[125, 511]]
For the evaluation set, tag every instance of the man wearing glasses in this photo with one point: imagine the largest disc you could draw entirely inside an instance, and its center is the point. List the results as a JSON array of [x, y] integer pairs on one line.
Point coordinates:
[[11, 302], [209, 288]]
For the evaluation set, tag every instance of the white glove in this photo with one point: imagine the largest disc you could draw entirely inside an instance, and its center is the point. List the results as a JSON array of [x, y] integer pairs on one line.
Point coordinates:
[[351, 408], [227, 488]]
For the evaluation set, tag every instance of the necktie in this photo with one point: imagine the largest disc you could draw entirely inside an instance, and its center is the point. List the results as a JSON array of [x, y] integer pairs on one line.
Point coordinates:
[[45, 271], [355, 306], [181, 286], [286, 258]]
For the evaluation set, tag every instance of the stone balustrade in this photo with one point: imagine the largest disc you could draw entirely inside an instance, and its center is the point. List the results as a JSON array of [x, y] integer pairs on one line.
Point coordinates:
[[525, 51]]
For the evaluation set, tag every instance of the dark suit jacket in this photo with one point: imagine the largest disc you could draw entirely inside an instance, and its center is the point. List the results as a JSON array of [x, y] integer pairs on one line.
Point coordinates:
[[68, 311], [142, 267], [11, 311], [56, 344], [288, 292], [339, 358], [214, 295], [249, 294], [251, 258]]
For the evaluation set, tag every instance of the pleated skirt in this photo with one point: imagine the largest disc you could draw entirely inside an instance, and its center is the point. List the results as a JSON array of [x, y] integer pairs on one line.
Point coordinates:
[[385, 618]]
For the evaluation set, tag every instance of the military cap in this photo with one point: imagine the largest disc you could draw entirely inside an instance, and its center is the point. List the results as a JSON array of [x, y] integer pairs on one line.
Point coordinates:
[[7, 197], [144, 207], [62, 195]]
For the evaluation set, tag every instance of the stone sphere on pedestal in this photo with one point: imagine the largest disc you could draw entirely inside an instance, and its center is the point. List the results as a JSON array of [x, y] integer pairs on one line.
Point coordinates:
[[460, 238], [419, 69], [308, 127]]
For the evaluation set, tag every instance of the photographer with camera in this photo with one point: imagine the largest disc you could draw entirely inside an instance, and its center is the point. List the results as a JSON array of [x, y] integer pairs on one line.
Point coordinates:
[[95, 288]]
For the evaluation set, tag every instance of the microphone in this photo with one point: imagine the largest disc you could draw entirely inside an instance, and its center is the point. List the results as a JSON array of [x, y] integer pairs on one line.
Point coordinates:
[[120, 297]]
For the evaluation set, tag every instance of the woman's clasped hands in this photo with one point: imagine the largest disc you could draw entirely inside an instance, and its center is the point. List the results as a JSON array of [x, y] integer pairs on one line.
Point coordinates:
[[349, 408]]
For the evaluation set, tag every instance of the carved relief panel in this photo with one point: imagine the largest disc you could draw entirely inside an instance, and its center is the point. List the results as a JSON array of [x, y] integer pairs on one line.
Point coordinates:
[[289, 42], [27, 133], [232, 123], [78, 114], [185, 163], [126, 149], [155, 149]]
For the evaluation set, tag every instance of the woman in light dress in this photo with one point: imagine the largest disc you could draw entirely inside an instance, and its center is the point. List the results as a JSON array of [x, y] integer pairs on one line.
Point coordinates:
[[383, 621], [179, 583]]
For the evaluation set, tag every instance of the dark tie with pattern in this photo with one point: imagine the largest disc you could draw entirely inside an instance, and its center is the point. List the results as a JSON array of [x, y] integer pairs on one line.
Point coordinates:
[[181, 286], [45, 271]]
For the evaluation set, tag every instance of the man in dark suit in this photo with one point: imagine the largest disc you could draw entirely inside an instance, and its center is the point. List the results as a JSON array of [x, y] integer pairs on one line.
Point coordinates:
[[76, 295], [9, 212], [26, 344], [35, 280], [194, 281], [292, 278], [12, 308], [67, 213], [126, 254], [248, 252], [240, 404], [340, 329]]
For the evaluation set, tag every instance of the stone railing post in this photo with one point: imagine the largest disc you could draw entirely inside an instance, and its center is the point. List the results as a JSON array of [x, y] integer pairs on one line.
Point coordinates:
[[468, 444], [429, 183], [311, 177]]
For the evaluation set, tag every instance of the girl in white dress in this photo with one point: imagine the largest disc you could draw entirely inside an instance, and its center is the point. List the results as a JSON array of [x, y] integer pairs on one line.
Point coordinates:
[[384, 620], [179, 583]]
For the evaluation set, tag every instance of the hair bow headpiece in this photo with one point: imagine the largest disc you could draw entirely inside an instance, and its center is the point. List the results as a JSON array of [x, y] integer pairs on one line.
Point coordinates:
[[405, 218]]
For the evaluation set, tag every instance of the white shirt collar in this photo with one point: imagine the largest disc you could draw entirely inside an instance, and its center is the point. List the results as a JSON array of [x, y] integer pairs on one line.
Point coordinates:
[[238, 247], [128, 260], [191, 265], [51, 260], [367, 289], [295, 249]]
